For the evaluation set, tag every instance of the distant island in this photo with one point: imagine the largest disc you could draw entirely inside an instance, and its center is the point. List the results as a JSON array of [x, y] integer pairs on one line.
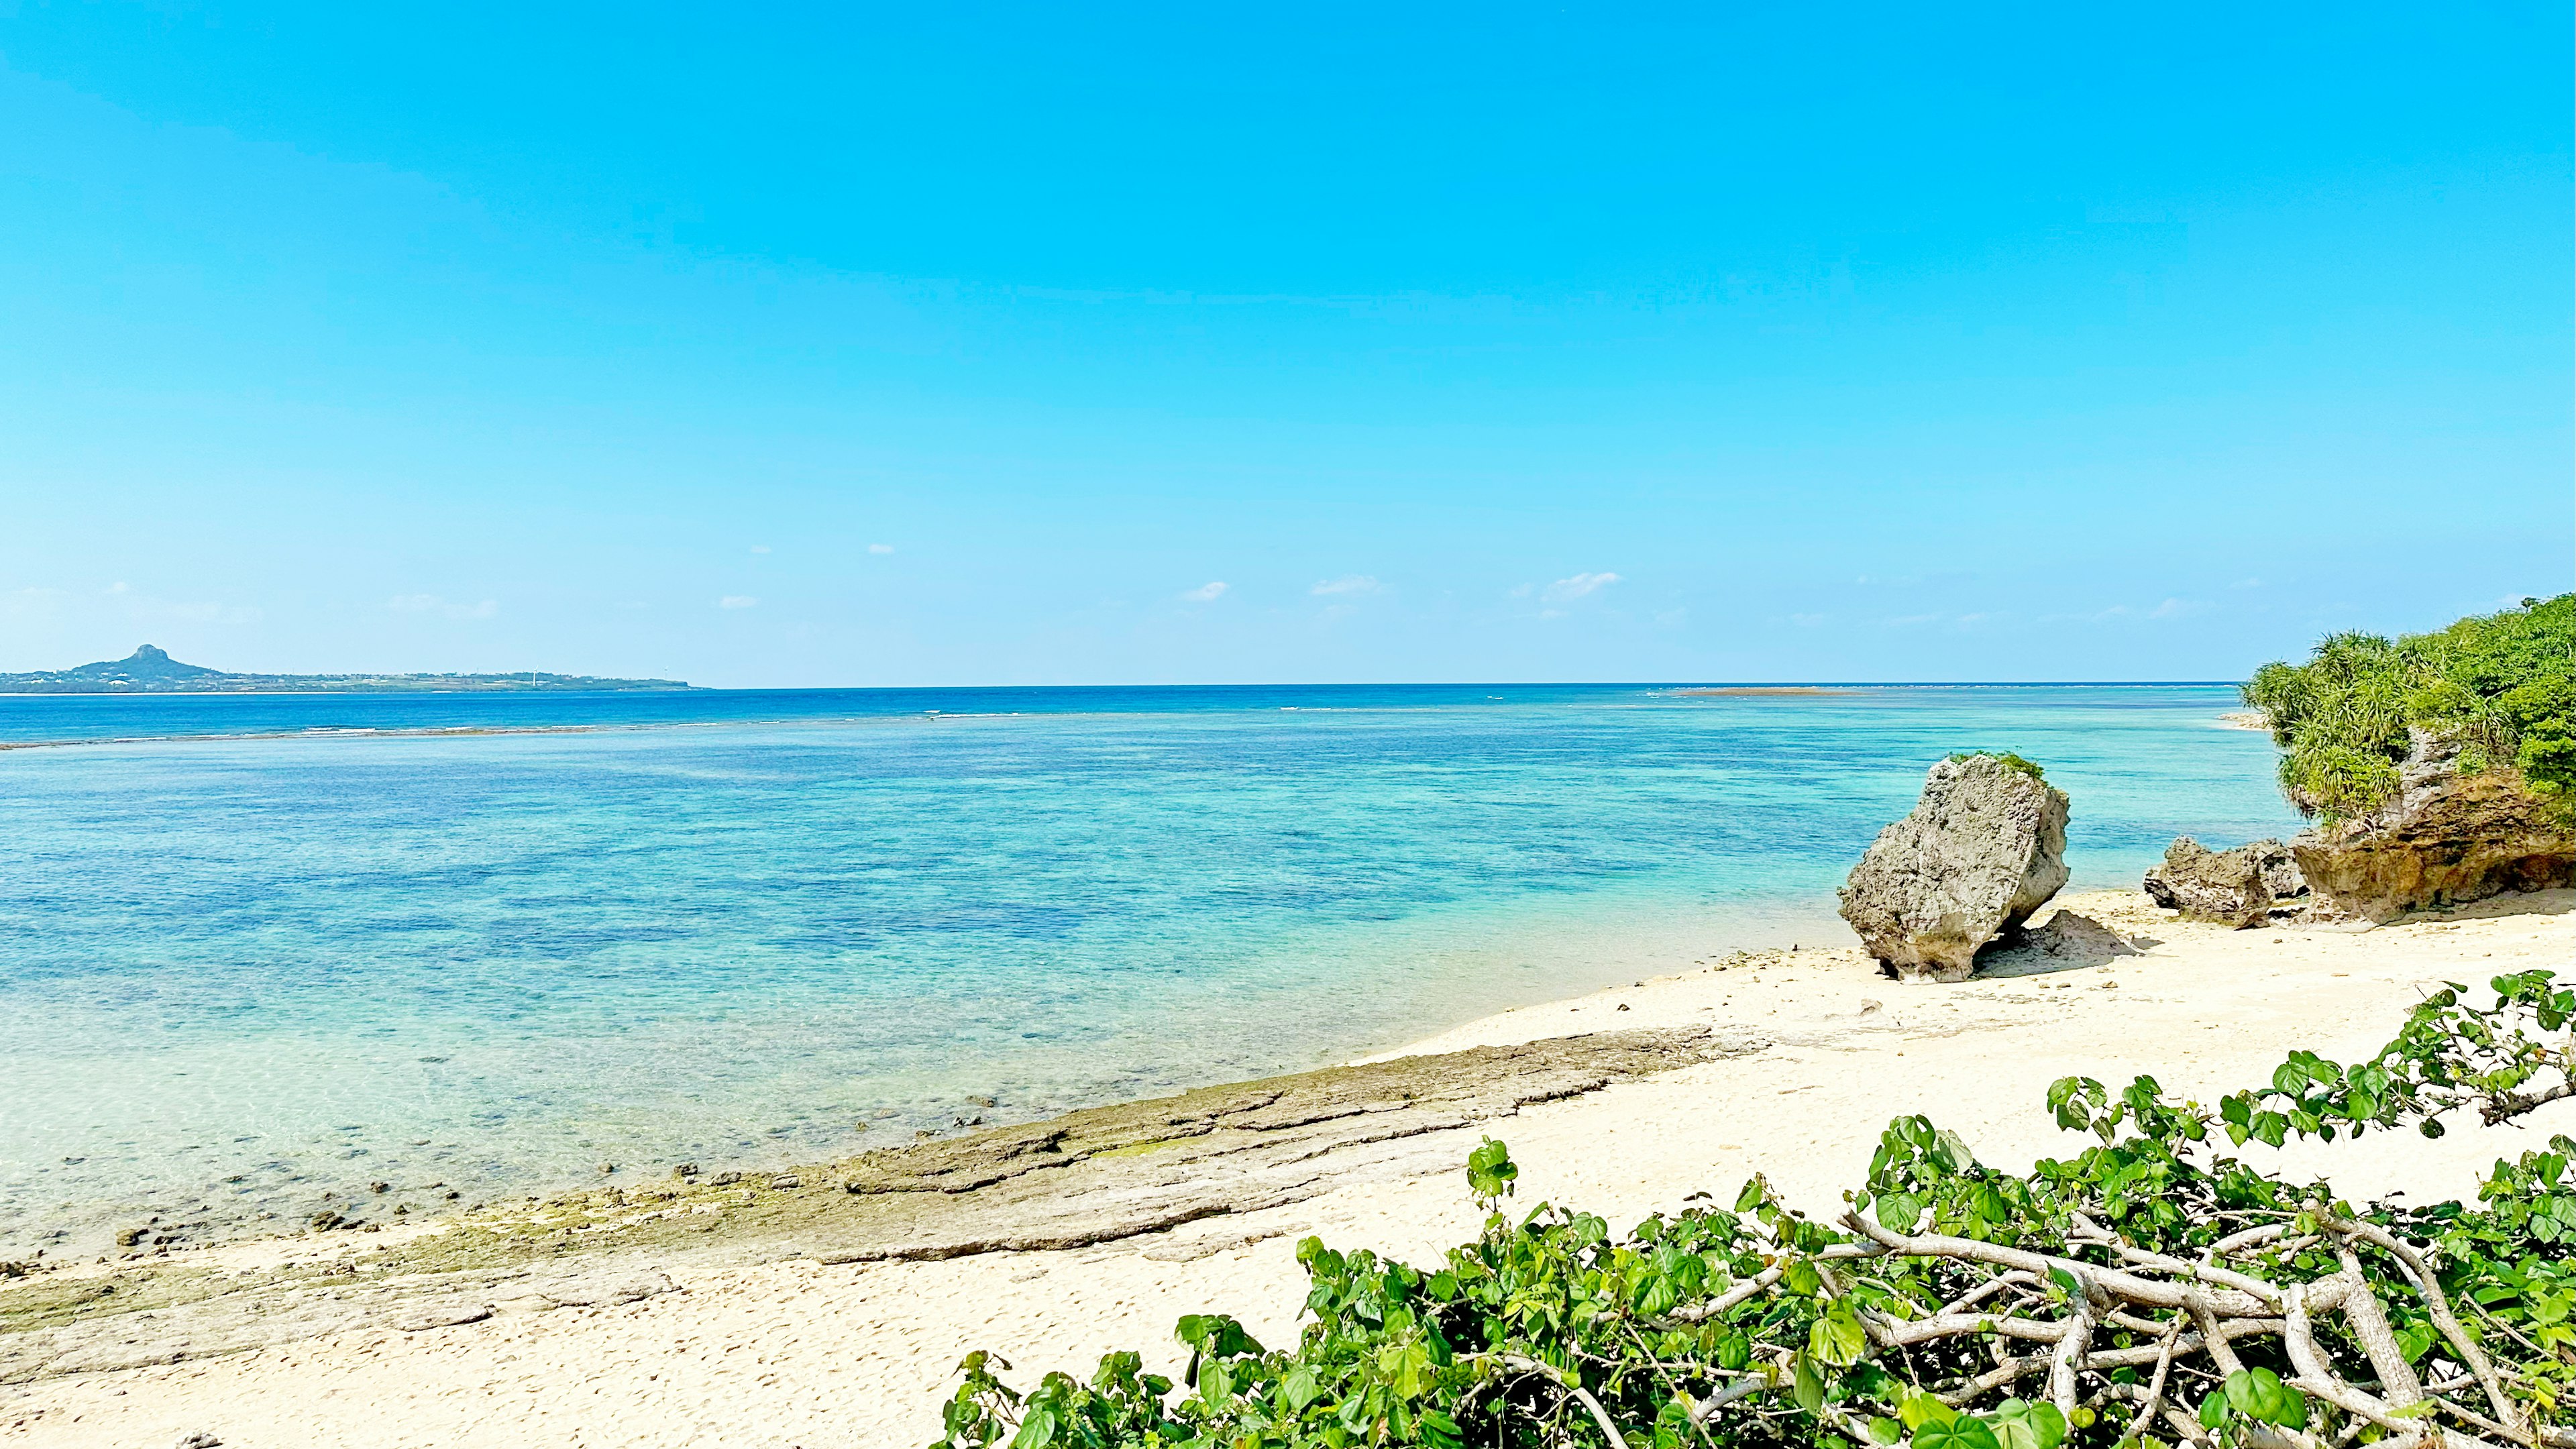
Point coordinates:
[[149, 670]]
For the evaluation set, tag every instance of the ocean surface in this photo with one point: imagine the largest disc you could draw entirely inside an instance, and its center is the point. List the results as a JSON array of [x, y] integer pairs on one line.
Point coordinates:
[[258, 952]]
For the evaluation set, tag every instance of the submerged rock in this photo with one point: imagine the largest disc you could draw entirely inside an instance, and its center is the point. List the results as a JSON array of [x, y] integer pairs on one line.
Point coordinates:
[[1984, 847], [2446, 838], [2230, 887]]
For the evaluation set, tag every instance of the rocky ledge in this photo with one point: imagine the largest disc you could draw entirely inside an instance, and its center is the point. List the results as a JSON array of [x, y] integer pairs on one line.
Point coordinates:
[[2446, 838]]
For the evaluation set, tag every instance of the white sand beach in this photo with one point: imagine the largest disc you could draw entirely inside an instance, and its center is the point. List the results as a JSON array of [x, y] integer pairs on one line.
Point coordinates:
[[797, 1353]]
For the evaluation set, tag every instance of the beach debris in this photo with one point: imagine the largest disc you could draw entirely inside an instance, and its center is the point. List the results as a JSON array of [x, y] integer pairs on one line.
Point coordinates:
[[380, 1188], [685, 1169], [198, 1440], [2227, 887], [725, 1179], [1983, 848], [785, 1181], [2446, 837], [324, 1221]]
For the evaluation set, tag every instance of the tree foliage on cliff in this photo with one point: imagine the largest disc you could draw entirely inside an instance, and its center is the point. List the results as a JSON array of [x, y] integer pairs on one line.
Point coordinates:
[[2503, 684], [2151, 1289]]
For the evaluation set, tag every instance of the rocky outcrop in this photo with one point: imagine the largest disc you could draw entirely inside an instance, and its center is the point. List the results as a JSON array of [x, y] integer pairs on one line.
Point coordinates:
[[2230, 887], [1984, 847], [2446, 838]]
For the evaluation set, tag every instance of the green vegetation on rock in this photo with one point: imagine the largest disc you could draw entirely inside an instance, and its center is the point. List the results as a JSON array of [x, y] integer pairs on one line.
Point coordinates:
[[2005, 758], [2150, 1289], [2502, 685]]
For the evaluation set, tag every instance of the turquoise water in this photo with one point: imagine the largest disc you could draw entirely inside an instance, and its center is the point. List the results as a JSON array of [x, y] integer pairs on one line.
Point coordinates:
[[733, 927]]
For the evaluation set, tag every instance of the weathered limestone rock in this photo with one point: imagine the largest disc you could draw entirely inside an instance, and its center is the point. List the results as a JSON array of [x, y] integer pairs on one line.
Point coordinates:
[[2230, 887], [1984, 847], [2445, 839], [2071, 937]]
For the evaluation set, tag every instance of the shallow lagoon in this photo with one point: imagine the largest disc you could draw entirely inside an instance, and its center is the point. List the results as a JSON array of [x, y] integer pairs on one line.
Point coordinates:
[[733, 927]]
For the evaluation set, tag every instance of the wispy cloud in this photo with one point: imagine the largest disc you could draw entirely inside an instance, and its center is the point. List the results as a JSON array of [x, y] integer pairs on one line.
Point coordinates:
[[2169, 609], [737, 601], [31, 603], [760, 548], [1207, 593], [433, 604], [880, 548], [1347, 584], [1567, 590]]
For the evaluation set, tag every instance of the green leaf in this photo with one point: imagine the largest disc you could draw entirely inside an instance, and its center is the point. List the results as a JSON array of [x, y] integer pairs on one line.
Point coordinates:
[[1885, 1431], [1837, 1338], [1920, 1409], [1490, 1170], [1957, 1434], [1899, 1212], [2018, 1425], [1037, 1431], [1809, 1389]]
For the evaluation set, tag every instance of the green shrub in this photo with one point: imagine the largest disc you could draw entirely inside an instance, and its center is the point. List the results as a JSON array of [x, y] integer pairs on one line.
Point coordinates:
[[2502, 685], [2005, 758], [1952, 1305]]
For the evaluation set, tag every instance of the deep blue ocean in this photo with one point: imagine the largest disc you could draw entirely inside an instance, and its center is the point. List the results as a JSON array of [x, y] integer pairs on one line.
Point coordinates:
[[750, 927]]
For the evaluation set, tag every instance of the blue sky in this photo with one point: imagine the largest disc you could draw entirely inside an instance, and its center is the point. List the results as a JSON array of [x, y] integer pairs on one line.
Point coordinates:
[[871, 345]]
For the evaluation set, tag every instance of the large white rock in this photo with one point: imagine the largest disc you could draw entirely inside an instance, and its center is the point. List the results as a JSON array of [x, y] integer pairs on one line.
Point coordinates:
[[1984, 847]]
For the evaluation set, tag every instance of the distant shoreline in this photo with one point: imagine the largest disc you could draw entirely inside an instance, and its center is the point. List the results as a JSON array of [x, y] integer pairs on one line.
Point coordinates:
[[1760, 690]]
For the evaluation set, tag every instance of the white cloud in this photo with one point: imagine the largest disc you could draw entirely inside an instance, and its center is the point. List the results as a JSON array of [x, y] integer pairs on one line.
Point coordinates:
[[31, 603], [2176, 609], [1207, 593], [1564, 590], [1347, 584], [433, 604], [736, 601], [760, 548], [880, 548]]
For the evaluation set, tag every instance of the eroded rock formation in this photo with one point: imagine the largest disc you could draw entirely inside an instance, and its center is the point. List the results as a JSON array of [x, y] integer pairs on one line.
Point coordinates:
[[2446, 838], [2230, 887], [1984, 847]]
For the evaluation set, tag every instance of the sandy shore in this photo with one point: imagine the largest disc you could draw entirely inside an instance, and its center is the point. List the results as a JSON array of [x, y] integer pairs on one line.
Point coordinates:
[[1624, 1102]]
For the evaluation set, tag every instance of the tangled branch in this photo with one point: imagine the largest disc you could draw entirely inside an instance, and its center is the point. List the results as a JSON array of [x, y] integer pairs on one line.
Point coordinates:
[[2149, 1289]]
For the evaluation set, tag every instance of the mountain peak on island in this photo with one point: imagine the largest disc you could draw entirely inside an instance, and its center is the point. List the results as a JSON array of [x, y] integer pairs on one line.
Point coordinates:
[[148, 661], [151, 670]]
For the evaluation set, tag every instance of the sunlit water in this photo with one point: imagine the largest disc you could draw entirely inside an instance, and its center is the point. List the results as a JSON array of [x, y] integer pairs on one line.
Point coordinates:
[[731, 928]]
